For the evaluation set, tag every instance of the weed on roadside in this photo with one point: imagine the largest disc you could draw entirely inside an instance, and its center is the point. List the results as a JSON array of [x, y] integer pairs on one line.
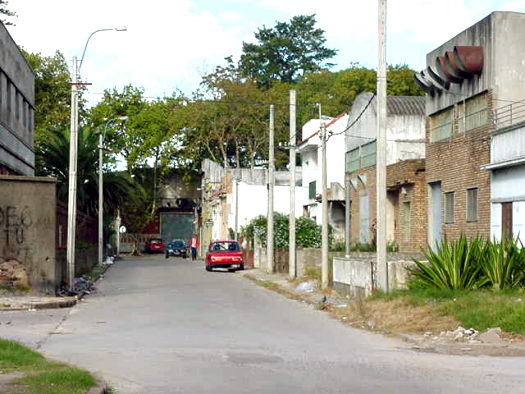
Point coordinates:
[[41, 375]]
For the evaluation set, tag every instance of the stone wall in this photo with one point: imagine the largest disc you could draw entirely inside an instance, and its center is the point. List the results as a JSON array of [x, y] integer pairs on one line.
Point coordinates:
[[27, 227]]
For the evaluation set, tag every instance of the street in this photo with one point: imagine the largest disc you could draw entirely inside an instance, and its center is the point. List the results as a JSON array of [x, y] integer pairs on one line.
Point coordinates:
[[159, 325]]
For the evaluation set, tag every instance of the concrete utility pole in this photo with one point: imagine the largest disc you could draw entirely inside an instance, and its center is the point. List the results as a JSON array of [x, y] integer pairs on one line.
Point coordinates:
[[382, 268], [72, 188], [347, 215], [271, 165], [324, 204], [236, 204], [292, 270], [73, 147]]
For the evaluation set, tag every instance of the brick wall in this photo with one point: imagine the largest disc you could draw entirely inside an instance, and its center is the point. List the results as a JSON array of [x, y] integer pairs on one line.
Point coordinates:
[[456, 162], [405, 184]]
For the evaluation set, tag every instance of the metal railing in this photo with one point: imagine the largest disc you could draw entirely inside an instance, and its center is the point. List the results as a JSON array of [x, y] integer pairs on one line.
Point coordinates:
[[509, 114]]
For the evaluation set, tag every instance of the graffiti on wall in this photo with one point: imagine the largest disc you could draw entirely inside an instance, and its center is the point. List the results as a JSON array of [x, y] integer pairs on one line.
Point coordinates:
[[14, 225]]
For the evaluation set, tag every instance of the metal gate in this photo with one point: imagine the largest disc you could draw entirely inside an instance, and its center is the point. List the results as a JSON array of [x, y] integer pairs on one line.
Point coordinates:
[[178, 225]]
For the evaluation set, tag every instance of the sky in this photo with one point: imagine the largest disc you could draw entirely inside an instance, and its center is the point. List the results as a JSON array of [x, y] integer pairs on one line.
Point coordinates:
[[170, 44]]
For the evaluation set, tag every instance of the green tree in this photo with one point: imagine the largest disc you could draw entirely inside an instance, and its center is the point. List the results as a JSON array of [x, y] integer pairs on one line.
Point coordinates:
[[54, 158], [286, 51], [6, 12], [52, 93]]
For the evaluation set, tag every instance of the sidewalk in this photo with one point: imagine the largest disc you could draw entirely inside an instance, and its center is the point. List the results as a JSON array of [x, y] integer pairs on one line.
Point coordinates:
[[333, 303]]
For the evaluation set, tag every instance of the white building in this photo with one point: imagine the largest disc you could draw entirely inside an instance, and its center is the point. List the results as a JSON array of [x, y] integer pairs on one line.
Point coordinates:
[[507, 166], [224, 189], [311, 156]]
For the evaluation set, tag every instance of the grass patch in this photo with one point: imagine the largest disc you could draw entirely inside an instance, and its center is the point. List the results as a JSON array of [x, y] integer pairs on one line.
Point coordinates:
[[41, 375], [480, 309]]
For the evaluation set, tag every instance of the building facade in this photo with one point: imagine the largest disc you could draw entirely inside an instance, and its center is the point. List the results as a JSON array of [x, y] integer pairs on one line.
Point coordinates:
[[310, 151], [466, 79], [406, 190], [17, 103]]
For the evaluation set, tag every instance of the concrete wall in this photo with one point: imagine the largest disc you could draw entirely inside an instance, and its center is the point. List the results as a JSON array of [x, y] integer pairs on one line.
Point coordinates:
[[356, 275], [17, 101], [500, 34], [27, 223]]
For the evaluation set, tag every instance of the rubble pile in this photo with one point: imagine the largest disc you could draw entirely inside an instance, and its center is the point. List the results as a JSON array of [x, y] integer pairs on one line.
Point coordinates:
[[13, 274]]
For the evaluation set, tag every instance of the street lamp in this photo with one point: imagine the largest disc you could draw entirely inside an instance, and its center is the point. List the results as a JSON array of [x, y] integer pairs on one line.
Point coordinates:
[[102, 136], [73, 141]]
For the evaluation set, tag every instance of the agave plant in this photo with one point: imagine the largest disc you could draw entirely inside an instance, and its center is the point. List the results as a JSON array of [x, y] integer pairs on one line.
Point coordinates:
[[454, 265], [503, 263]]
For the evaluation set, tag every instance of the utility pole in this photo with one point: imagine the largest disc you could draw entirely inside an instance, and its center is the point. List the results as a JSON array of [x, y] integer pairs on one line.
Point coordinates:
[[382, 268], [100, 200], [117, 232], [324, 204], [292, 270], [347, 215], [72, 188], [271, 164], [236, 204]]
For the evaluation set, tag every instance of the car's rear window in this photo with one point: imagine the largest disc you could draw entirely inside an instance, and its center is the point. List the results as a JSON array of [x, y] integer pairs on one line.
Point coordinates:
[[156, 241], [225, 247]]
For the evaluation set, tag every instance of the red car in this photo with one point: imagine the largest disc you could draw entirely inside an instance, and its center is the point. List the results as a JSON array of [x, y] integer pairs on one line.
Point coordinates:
[[154, 245], [224, 254]]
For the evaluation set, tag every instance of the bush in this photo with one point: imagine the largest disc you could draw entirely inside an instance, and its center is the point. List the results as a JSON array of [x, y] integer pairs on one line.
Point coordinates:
[[307, 232], [467, 265], [454, 265], [503, 264]]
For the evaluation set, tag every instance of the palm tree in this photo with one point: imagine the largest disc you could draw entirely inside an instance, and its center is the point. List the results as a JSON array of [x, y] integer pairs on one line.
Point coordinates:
[[52, 159]]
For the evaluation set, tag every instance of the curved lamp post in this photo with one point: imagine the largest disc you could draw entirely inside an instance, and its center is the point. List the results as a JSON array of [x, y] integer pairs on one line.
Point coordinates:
[[101, 137], [73, 142]]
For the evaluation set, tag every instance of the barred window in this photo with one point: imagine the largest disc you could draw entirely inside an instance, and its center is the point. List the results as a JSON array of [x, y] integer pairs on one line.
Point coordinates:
[[472, 205], [449, 207]]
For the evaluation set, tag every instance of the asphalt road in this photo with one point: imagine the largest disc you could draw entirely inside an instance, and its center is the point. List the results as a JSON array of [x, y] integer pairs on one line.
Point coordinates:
[[168, 326]]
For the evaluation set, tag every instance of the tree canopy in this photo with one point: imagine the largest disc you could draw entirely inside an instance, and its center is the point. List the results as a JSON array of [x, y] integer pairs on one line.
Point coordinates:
[[285, 52], [6, 12]]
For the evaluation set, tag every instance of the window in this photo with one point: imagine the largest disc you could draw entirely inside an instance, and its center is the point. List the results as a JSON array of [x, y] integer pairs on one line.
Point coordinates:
[[449, 207], [352, 160], [312, 190], [368, 154], [472, 205], [475, 113], [405, 220], [441, 125]]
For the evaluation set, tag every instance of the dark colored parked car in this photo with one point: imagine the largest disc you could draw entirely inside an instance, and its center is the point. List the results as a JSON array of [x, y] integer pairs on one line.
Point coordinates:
[[154, 245], [177, 247], [224, 254]]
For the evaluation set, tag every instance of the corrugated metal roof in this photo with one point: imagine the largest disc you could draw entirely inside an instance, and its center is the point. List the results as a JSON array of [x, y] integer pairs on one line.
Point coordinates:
[[405, 105]]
